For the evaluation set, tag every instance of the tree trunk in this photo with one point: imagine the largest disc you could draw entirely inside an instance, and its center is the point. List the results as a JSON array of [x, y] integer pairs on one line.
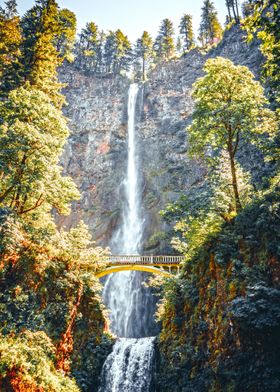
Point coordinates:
[[237, 11], [238, 205], [234, 13], [229, 14]]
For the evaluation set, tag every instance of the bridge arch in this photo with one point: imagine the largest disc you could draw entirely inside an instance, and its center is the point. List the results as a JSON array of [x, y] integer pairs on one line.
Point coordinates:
[[142, 268]]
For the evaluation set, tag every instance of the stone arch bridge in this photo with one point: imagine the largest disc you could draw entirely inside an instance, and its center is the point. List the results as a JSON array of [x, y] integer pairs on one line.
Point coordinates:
[[161, 265]]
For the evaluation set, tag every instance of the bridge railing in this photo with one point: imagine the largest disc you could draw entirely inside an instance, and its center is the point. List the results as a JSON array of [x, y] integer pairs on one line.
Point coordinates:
[[135, 259]]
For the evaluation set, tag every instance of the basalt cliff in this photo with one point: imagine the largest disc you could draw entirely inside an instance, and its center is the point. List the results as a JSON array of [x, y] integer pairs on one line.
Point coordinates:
[[95, 155]]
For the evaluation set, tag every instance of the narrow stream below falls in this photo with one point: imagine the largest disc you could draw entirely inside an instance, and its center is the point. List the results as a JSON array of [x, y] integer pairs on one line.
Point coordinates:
[[129, 367]]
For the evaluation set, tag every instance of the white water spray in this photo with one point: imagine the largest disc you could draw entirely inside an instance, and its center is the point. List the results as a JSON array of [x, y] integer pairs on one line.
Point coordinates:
[[132, 223], [121, 291], [129, 367]]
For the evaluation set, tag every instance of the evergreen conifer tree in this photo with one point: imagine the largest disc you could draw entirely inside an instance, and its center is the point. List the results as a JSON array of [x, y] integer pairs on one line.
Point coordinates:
[[117, 52], [10, 53], [87, 48], [123, 54], [210, 28], [67, 33], [186, 31], [100, 53], [41, 29], [144, 52], [179, 45], [232, 5], [164, 45], [109, 51]]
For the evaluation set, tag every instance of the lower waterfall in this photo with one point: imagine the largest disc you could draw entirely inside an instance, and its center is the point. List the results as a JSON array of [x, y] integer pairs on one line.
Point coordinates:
[[129, 368]]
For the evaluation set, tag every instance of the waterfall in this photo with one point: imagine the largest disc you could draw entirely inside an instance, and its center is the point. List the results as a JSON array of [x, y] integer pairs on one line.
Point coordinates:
[[129, 367]]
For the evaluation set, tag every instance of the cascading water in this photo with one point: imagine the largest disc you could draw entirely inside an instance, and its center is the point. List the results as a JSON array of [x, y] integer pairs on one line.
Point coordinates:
[[129, 367], [120, 291]]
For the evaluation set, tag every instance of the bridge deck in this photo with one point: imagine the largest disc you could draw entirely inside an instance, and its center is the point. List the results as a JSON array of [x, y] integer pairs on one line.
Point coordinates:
[[145, 260]]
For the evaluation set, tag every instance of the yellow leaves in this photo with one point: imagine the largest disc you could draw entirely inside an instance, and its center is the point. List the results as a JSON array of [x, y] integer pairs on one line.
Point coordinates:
[[80, 253], [26, 363]]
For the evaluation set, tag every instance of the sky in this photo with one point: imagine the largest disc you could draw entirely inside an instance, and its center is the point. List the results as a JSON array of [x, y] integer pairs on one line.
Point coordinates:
[[131, 16]]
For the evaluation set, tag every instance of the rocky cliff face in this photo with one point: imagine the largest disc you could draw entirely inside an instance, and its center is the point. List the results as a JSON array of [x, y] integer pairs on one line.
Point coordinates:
[[96, 152], [95, 155]]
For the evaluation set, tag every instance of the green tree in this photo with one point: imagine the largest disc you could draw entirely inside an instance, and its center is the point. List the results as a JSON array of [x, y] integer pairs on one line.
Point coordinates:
[[87, 48], [248, 8], [109, 51], [65, 40], [123, 55], [179, 45], [117, 52], [28, 361], [264, 23], [41, 29], [210, 28], [229, 107], [33, 133], [100, 52], [10, 53], [232, 5], [186, 31], [164, 46], [144, 52]]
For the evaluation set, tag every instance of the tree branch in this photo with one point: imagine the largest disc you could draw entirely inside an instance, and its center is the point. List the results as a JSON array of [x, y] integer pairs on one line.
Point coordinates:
[[38, 203]]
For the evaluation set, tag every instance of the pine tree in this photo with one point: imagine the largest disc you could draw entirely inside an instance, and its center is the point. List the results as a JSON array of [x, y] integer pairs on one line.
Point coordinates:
[[179, 45], [67, 34], [117, 52], [87, 48], [10, 53], [186, 31], [100, 53], [41, 29], [123, 55], [109, 51], [210, 28], [144, 52], [232, 5], [164, 45]]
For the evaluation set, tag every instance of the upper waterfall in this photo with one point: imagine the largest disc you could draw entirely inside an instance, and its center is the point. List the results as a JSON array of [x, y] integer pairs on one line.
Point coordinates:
[[131, 232]]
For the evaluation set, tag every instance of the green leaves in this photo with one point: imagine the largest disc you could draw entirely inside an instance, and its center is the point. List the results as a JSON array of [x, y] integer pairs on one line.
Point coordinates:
[[10, 48], [264, 23], [210, 28], [186, 31], [32, 137], [230, 107], [164, 45], [29, 359], [144, 52]]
